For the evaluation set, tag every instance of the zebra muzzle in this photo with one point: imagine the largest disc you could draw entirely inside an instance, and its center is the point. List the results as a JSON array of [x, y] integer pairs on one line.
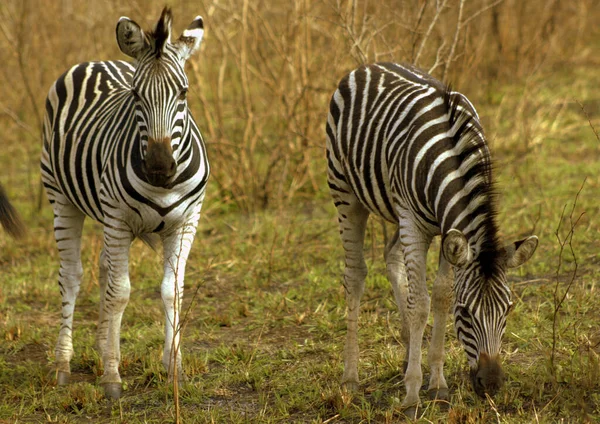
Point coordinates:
[[488, 377], [159, 166]]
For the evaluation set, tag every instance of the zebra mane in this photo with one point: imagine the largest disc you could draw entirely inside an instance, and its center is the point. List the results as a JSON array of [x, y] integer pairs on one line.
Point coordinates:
[[469, 133], [161, 35]]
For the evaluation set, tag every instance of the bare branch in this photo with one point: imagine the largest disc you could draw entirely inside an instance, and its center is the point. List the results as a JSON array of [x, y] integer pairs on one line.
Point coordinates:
[[588, 119], [439, 8], [479, 12], [455, 41], [567, 242]]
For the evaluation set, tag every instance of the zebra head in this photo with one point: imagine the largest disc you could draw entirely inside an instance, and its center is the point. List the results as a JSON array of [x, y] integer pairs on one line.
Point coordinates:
[[160, 88], [482, 303]]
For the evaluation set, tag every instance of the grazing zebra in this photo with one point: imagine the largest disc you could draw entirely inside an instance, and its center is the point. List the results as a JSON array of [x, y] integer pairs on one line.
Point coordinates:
[[9, 218], [403, 146], [121, 147]]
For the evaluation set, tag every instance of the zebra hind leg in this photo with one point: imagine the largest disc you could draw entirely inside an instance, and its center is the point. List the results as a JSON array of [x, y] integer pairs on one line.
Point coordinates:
[[414, 244], [68, 224], [396, 272], [353, 220]]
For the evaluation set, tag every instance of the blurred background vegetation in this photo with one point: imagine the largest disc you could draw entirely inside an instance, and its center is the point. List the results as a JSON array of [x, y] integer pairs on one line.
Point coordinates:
[[261, 84]]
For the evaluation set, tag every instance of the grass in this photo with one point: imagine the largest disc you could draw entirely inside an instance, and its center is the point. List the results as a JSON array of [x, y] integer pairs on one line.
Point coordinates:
[[265, 307], [265, 326]]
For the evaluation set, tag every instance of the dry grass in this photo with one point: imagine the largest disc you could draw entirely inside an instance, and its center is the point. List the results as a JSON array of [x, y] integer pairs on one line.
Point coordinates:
[[261, 84]]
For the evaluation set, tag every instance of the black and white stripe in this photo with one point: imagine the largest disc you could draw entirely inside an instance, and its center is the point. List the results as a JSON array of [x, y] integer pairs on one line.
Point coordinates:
[[406, 148], [121, 146]]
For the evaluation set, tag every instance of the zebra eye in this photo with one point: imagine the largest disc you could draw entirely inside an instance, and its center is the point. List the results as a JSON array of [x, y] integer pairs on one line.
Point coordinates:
[[183, 94], [136, 96]]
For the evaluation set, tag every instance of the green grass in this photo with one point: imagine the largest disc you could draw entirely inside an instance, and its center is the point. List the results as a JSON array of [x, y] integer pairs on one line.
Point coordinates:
[[265, 307]]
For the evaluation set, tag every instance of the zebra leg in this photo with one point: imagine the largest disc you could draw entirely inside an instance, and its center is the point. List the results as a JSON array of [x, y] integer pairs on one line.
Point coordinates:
[[68, 224], [414, 245], [116, 296], [396, 272], [352, 220], [442, 296], [102, 331], [177, 246]]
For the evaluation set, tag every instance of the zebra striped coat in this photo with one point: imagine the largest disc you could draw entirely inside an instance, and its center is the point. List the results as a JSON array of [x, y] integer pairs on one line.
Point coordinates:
[[406, 148], [121, 147]]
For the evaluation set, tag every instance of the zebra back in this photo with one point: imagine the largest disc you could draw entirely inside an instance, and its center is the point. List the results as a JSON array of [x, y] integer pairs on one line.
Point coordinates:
[[400, 138]]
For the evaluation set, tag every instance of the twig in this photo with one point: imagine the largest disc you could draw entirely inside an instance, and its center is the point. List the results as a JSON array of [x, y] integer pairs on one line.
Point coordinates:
[[566, 242], [416, 28], [438, 60], [328, 420], [12, 115], [455, 41], [479, 12], [588, 119], [438, 12]]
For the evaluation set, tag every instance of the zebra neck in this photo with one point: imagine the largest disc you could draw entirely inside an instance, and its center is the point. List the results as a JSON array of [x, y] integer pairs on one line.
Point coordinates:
[[477, 221]]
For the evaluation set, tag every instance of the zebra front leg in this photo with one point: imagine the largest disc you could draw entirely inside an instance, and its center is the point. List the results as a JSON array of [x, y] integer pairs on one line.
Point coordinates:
[[116, 296], [414, 245], [176, 250], [442, 296], [68, 223], [353, 221], [396, 272]]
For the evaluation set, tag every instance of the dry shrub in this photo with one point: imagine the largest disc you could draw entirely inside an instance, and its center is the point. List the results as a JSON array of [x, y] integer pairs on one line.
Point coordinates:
[[262, 82]]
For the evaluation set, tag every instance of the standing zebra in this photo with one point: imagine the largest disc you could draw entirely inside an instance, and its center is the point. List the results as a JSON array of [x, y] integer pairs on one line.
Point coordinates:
[[403, 146], [121, 147]]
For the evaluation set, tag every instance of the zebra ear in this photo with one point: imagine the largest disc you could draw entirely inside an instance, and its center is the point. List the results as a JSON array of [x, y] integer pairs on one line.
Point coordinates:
[[161, 36], [130, 37], [189, 42], [455, 248], [521, 251]]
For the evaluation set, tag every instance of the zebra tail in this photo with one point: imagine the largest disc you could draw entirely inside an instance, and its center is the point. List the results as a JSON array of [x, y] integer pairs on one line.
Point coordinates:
[[9, 218], [151, 240]]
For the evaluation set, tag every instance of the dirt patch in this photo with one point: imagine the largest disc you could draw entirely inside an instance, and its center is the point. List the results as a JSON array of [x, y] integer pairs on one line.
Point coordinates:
[[34, 352]]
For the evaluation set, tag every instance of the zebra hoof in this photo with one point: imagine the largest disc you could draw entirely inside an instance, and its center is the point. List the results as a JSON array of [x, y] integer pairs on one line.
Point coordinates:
[[441, 397], [112, 391], [62, 378], [411, 412], [439, 394], [350, 386]]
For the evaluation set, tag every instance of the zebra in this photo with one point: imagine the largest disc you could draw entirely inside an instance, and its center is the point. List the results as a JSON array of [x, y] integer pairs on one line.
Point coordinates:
[[403, 146], [120, 146], [9, 218]]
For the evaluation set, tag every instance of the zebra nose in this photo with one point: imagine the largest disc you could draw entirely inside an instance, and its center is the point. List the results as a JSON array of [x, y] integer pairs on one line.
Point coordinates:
[[488, 377], [159, 164]]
